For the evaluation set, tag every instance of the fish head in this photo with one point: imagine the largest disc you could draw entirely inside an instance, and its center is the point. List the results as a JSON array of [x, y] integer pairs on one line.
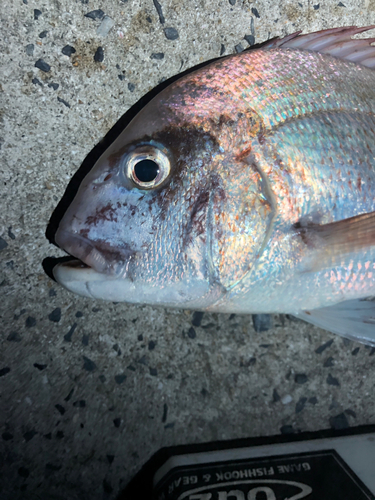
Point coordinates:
[[172, 213]]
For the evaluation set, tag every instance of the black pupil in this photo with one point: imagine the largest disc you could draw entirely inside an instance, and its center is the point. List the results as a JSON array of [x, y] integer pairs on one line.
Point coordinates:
[[146, 170]]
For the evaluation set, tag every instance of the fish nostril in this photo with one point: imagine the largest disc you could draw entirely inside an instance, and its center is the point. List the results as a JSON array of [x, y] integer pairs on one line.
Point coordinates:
[[104, 177]]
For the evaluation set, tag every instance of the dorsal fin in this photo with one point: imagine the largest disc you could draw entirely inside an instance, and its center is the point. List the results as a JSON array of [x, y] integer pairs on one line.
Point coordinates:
[[335, 42]]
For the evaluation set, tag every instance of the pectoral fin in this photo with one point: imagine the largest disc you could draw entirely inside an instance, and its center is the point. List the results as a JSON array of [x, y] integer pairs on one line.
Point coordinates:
[[353, 319], [331, 244]]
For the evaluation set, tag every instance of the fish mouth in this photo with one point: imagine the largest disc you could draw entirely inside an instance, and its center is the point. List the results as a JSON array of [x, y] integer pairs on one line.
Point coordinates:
[[102, 273], [89, 256]]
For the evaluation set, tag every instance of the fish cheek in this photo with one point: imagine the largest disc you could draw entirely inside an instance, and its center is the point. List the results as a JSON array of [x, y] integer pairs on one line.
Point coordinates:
[[120, 226], [183, 201], [243, 217], [195, 226]]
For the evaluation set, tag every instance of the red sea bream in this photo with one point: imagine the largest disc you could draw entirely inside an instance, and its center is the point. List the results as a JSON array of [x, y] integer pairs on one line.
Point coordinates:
[[246, 186]]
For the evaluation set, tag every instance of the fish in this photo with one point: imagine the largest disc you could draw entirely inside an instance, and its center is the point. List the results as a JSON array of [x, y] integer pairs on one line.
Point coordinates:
[[245, 186]]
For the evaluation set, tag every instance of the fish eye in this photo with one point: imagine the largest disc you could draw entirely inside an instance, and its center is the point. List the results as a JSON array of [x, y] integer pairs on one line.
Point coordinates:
[[147, 166]]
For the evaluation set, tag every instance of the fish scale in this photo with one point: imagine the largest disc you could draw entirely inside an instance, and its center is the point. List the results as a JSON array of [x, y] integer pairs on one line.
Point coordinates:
[[305, 185], [309, 188], [261, 89], [315, 193]]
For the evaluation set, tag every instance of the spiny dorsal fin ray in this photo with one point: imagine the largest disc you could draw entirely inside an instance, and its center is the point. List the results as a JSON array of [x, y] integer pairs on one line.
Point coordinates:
[[336, 42]]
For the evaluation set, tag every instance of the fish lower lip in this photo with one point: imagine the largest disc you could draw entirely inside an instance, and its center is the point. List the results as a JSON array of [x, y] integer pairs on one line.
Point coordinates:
[[82, 249]]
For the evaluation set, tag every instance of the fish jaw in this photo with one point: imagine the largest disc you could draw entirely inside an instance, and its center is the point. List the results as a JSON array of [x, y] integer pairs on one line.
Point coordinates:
[[85, 281], [96, 274], [75, 277]]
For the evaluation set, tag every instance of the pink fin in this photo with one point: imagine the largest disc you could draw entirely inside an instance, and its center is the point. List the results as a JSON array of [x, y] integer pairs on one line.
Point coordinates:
[[336, 42], [353, 319], [331, 242]]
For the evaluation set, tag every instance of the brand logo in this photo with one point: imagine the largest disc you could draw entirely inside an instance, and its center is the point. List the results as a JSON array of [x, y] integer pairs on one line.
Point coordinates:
[[266, 489]]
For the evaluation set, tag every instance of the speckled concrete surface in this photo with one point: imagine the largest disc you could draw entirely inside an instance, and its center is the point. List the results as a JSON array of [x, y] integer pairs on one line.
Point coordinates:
[[89, 390]]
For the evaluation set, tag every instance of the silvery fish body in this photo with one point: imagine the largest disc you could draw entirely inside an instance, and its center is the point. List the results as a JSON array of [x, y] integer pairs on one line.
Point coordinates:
[[246, 186]]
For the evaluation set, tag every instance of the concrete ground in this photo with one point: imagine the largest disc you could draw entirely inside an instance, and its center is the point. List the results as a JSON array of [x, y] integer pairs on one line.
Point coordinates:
[[90, 390]]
